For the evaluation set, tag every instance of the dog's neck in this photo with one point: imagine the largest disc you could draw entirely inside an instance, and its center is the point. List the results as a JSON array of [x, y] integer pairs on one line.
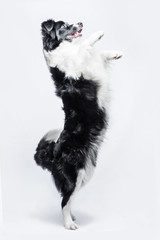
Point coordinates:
[[50, 45]]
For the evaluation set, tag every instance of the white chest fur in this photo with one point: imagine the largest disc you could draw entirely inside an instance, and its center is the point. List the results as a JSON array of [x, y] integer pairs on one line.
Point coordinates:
[[75, 60]]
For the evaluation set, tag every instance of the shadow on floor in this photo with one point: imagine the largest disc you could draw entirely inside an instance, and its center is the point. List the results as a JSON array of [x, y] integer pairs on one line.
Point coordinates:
[[55, 217]]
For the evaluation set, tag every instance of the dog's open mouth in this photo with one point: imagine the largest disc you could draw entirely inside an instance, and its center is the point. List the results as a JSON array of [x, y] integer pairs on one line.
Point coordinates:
[[75, 35]]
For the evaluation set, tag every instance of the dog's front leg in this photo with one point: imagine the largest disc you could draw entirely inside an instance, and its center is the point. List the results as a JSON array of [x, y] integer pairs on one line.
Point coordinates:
[[111, 55], [94, 38]]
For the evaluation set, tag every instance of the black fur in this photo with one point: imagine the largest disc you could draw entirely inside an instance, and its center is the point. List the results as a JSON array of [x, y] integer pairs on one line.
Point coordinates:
[[50, 40], [84, 121], [44, 154]]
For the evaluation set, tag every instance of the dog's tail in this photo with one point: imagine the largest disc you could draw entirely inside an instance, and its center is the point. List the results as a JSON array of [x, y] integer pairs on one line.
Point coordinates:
[[44, 152]]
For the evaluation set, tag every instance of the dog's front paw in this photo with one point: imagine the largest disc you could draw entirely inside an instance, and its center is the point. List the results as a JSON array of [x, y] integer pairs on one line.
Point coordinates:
[[115, 55], [98, 35], [111, 55], [94, 38]]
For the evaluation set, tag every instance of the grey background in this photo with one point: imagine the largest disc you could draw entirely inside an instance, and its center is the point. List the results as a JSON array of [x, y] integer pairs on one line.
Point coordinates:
[[122, 199]]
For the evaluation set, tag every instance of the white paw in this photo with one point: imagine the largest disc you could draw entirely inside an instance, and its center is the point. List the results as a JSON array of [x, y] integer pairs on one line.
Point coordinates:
[[99, 35], [116, 55], [71, 226]]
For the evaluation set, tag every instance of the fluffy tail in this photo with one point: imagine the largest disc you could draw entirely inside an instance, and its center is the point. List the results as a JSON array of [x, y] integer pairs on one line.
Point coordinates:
[[45, 148]]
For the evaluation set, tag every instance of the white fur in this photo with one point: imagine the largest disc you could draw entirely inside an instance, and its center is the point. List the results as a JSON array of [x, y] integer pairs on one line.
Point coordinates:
[[89, 168], [52, 135], [68, 218], [110, 55], [76, 59], [68, 221]]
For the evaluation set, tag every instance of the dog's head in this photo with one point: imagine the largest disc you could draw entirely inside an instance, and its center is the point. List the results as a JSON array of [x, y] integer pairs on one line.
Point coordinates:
[[55, 32]]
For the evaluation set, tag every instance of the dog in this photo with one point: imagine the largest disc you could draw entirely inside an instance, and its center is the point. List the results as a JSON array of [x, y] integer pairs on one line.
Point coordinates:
[[81, 80]]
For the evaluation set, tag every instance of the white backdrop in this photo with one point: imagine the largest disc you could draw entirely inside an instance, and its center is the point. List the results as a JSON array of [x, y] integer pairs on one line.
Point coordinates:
[[122, 199]]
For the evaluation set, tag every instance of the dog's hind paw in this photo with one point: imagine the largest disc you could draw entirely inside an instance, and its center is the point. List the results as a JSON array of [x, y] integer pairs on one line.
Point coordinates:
[[71, 226]]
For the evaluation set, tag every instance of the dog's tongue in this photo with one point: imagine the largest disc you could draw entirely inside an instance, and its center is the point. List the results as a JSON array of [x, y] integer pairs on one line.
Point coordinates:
[[76, 34]]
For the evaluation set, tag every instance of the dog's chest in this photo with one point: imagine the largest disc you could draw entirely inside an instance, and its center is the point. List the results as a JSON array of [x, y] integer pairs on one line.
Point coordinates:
[[72, 59], [76, 60]]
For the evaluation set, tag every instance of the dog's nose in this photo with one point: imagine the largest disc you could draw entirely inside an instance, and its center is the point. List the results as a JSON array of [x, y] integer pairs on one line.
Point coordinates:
[[80, 24]]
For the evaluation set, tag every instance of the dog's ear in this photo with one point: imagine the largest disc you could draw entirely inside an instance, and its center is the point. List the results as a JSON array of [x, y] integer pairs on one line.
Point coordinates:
[[48, 25]]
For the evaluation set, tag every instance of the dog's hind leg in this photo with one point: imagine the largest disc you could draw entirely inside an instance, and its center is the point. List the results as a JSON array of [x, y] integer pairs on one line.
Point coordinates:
[[66, 210], [94, 38], [66, 203]]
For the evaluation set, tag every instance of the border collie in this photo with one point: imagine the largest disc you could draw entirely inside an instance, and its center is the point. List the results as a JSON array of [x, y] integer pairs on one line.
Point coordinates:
[[81, 81]]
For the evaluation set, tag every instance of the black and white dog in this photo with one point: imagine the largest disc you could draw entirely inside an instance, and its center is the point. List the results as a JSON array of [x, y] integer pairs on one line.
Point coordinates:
[[81, 81]]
